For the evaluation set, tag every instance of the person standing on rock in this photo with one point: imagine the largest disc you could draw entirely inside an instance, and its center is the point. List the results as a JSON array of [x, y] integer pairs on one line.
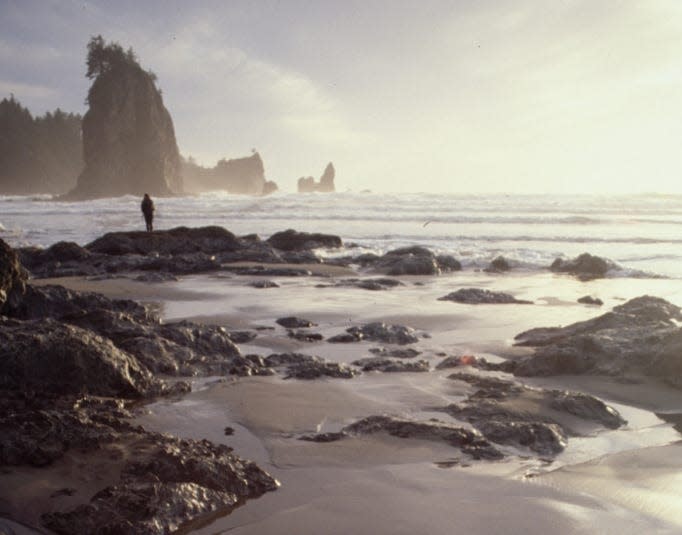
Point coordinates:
[[148, 211]]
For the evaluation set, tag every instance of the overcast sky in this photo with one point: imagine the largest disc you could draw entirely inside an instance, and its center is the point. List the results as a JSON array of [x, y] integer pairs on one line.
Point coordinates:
[[458, 96]]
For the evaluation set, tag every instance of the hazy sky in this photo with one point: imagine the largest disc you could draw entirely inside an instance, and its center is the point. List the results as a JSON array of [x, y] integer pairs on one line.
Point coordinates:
[[457, 96]]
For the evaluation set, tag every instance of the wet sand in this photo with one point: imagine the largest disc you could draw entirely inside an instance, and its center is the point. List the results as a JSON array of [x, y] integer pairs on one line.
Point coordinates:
[[623, 481]]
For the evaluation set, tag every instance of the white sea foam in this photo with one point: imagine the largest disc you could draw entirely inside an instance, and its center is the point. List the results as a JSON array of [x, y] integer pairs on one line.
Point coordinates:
[[640, 233]]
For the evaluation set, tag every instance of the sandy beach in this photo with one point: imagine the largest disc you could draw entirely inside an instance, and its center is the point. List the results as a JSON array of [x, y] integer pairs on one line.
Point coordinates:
[[606, 481]]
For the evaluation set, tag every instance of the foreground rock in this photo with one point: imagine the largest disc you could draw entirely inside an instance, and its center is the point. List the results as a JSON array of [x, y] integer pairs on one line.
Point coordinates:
[[640, 337], [584, 267], [479, 296], [166, 484], [468, 441]]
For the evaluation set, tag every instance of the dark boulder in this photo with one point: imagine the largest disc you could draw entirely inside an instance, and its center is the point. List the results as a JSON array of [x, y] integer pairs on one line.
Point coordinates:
[[585, 266], [291, 240], [48, 356], [12, 278], [479, 296], [639, 337], [499, 265], [396, 353], [378, 332]]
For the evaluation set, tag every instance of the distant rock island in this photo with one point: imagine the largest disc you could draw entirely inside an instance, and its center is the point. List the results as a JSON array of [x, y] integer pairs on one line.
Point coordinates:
[[38, 154], [241, 175], [325, 185], [129, 142]]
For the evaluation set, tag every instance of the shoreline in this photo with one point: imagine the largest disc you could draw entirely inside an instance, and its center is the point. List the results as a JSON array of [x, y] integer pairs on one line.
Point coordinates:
[[338, 486]]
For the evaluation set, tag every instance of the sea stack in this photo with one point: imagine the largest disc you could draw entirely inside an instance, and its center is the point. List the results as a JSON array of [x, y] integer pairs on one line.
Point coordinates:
[[244, 176], [325, 185], [129, 144]]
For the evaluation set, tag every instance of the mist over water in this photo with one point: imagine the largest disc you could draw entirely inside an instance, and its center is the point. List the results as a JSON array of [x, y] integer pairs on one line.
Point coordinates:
[[643, 233]]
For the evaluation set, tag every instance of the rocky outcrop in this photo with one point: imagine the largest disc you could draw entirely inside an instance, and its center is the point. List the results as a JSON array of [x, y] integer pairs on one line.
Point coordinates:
[[640, 337], [301, 366], [498, 265], [12, 278], [325, 185], [590, 300], [479, 296], [584, 267], [244, 176], [129, 144]]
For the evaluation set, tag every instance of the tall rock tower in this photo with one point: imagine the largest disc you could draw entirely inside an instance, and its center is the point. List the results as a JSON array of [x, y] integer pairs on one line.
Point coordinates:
[[129, 142]]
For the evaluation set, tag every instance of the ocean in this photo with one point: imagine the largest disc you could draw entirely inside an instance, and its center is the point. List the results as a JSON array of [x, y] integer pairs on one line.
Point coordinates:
[[642, 233]]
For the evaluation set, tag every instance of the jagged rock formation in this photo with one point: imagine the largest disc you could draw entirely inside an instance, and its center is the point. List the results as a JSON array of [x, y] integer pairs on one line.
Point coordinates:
[[240, 175], [325, 185], [38, 155], [129, 142]]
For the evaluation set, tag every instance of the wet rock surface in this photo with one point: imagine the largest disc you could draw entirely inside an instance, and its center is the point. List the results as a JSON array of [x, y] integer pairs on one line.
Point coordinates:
[[413, 260], [302, 366], [584, 267], [639, 337], [540, 420], [384, 364], [468, 441], [396, 353], [12, 278], [292, 322], [291, 240], [378, 332], [372, 284], [57, 345], [479, 296], [590, 300], [499, 265]]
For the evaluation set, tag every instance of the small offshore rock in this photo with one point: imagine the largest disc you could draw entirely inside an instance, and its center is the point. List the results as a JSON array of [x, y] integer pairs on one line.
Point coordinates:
[[585, 266], [264, 284], [305, 336], [397, 353]]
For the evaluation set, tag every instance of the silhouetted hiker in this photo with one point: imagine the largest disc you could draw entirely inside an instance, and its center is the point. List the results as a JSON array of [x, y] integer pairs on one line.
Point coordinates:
[[148, 211]]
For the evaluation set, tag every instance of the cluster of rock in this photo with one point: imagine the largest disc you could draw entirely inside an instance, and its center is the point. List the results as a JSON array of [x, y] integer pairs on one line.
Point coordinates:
[[69, 364], [502, 413], [639, 337], [180, 250], [324, 185]]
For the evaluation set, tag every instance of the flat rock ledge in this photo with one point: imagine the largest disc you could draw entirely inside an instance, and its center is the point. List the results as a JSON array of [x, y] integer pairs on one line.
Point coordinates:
[[468, 441], [377, 332], [479, 296], [641, 337]]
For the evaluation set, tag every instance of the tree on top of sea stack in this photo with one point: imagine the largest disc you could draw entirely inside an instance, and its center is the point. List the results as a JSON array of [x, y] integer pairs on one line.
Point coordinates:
[[129, 144]]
